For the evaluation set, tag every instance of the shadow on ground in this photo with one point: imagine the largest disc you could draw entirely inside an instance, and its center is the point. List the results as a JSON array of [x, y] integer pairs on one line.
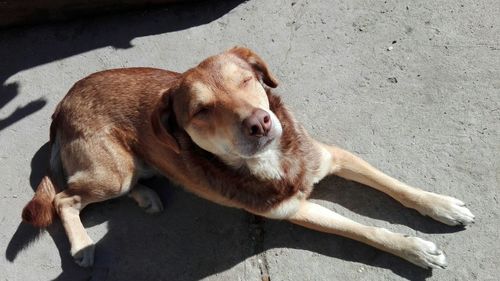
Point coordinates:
[[21, 111], [194, 238], [75, 37]]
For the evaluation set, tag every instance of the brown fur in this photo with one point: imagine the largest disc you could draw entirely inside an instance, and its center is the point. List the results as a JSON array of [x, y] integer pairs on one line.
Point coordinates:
[[39, 211]]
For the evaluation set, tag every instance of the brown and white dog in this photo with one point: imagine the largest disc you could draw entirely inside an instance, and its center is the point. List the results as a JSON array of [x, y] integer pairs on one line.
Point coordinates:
[[217, 130]]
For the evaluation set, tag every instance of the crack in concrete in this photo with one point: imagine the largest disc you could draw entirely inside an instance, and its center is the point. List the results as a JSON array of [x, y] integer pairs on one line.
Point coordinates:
[[257, 235]]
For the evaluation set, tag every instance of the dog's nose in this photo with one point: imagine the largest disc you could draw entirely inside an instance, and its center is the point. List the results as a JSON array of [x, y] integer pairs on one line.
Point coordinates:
[[258, 124]]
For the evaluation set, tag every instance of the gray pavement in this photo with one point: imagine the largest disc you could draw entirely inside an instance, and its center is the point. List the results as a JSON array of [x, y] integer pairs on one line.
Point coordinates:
[[412, 87]]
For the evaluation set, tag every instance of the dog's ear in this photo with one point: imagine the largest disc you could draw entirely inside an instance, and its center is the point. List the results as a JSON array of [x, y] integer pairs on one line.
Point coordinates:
[[164, 122], [258, 65]]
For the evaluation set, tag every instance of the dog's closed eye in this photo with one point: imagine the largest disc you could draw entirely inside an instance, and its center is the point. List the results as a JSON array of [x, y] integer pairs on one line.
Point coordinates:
[[245, 81], [201, 111]]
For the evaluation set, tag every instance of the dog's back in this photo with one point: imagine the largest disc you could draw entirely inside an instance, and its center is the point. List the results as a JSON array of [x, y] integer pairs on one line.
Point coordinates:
[[113, 97]]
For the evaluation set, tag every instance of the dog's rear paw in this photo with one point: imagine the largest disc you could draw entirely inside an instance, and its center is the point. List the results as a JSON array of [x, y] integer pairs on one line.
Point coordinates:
[[424, 253], [147, 199], [85, 256], [446, 209]]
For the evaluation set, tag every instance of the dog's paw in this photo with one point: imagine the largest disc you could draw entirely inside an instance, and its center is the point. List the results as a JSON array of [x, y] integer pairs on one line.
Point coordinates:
[[445, 209], [147, 199], [84, 257], [423, 253]]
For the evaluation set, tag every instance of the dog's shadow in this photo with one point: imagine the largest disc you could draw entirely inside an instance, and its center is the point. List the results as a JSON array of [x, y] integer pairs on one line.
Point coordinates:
[[194, 238]]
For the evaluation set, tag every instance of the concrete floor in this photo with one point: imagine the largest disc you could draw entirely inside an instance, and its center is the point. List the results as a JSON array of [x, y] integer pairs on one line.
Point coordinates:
[[414, 88]]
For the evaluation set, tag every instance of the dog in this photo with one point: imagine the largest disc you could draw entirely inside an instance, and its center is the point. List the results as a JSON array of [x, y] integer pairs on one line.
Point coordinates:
[[220, 132]]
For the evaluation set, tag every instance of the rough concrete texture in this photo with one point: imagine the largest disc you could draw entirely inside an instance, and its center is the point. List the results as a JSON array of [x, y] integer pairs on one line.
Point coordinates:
[[414, 88]]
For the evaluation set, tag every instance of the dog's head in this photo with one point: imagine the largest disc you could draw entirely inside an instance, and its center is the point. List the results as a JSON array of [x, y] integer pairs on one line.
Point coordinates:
[[223, 106]]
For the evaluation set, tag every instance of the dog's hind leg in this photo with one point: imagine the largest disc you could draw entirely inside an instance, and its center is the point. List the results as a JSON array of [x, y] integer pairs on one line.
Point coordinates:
[[68, 204], [97, 173], [418, 251], [442, 208]]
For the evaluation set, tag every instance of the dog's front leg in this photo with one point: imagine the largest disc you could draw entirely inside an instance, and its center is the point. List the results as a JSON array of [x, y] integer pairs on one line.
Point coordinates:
[[442, 208], [418, 251]]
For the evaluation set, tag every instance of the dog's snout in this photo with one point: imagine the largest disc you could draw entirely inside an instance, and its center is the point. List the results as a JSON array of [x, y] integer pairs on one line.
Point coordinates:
[[258, 124]]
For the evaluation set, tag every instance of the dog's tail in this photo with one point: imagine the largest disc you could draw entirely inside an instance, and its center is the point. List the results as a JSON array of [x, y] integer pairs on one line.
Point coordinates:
[[40, 211]]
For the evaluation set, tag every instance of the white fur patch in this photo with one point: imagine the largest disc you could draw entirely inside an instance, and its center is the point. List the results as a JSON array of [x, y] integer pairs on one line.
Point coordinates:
[[266, 165], [325, 165], [203, 92], [284, 210], [228, 71]]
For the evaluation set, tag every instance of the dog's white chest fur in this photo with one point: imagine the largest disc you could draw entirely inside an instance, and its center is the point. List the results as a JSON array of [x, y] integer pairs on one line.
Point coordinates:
[[267, 165]]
